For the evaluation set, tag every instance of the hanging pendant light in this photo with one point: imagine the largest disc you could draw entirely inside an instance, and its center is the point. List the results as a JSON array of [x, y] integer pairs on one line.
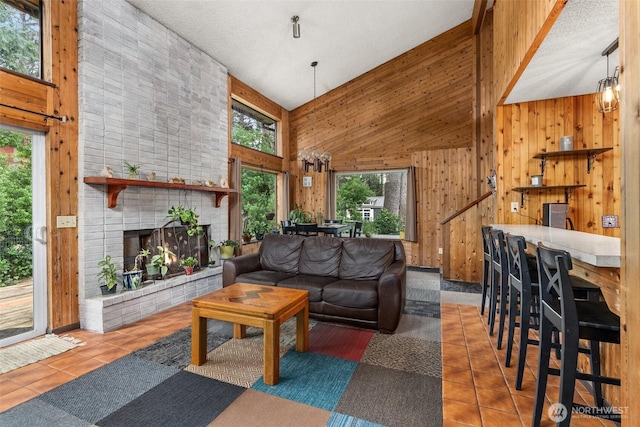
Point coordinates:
[[608, 91], [315, 159]]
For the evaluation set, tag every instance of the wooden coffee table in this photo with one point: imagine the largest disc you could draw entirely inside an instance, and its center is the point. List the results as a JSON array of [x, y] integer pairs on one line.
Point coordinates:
[[243, 304]]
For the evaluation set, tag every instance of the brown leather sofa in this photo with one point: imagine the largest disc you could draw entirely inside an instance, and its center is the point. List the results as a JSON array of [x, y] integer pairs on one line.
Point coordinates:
[[357, 281]]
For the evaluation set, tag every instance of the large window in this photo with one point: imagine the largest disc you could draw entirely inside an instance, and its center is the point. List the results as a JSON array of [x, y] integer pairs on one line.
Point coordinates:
[[379, 198], [253, 129], [20, 36], [258, 202]]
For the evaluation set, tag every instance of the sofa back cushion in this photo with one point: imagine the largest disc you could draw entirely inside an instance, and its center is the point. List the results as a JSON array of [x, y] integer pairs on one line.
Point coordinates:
[[320, 256], [365, 259], [281, 252]]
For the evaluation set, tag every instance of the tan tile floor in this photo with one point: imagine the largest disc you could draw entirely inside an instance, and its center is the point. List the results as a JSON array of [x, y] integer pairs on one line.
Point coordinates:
[[477, 389]]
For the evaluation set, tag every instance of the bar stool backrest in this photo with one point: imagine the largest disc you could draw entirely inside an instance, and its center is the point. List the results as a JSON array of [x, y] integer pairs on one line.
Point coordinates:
[[517, 258], [556, 294], [486, 242], [498, 253]]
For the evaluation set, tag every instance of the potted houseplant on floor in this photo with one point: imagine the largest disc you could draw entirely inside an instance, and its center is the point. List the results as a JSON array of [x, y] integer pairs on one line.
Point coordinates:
[[188, 264], [227, 247], [108, 276]]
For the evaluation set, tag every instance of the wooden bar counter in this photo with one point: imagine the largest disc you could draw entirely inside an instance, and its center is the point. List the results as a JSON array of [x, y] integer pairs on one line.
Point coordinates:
[[596, 258]]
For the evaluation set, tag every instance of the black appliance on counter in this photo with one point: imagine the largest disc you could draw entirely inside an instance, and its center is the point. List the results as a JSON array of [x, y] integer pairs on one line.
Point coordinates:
[[556, 215]]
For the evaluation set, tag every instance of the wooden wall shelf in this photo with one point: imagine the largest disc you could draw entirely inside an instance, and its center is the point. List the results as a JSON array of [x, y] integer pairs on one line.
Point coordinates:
[[568, 189], [116, 185], [590, 153]]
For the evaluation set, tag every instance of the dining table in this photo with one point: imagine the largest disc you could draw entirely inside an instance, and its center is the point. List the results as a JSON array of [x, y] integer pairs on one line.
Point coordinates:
[[334, 229]]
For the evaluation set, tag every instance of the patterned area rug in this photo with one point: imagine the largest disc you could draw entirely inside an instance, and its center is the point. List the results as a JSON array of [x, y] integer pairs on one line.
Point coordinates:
[[31, 351], [349, 377]]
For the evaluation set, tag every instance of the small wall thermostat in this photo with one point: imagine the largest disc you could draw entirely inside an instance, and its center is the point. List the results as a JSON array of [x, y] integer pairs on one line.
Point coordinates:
[[609, 221]]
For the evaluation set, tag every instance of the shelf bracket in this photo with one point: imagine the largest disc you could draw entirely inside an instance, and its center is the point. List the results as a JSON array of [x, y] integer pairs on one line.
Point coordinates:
[[591, 157], [522, 199], [567, 194], [113, 190], [543, 161]]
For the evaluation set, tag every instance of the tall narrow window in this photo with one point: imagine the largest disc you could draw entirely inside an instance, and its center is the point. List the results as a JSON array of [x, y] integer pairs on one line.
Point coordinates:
[[252, 129], [258, 202], [21, 36]]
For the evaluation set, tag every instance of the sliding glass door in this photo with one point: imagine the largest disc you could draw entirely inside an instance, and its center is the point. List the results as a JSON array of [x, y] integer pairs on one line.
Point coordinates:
[[23, 286]]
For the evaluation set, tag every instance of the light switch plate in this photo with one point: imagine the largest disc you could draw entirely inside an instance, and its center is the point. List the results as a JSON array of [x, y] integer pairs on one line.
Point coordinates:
[[609, 221], [66, 221]]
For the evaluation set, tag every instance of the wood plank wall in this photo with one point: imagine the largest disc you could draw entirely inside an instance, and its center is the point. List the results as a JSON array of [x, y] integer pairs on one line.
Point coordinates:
[[519, 28], [413, 110], [58, 96], [516, 24], [630, 271], [528, 128]]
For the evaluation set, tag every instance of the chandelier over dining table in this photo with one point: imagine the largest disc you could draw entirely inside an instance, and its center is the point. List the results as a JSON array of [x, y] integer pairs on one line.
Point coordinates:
[[314, 158]]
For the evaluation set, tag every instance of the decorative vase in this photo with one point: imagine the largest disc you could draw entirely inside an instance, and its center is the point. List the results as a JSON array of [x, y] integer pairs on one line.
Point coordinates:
[[132, 279], [402, 235], [188, 270], [226, 252]]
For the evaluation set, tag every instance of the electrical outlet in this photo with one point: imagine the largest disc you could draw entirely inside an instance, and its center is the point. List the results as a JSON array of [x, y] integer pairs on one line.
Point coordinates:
[[440, 251], [609, 221], [514, 207], [66, 221]]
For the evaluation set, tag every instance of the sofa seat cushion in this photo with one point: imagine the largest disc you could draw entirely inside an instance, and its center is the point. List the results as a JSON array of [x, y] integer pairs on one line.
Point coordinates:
[[281, 252], [263, 277], [313, 284], [320, 256], [352, 293], [365, 259]]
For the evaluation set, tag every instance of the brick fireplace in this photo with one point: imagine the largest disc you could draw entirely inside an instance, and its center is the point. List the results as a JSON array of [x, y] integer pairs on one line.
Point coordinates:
[[147, 97]]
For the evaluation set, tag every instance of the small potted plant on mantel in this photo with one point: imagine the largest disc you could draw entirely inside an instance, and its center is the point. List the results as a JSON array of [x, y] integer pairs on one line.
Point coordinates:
[[108, 276], [132, 169], [188, 264]]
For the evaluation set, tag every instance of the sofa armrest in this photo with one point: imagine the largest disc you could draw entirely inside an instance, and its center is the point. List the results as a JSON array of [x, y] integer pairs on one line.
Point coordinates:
[[233, 267], [391, 295]]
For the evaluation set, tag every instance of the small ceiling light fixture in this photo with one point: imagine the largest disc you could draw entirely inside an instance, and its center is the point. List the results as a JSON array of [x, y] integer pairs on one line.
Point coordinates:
[[315, 158], [608, 91], [296, 26]]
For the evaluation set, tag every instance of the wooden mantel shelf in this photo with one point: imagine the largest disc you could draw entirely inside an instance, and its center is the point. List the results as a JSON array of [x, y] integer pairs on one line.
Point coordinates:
[[116, 185]]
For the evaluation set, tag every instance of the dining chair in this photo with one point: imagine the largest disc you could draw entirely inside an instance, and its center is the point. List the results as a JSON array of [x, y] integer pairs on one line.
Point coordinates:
[[486, 265], [306, 229]]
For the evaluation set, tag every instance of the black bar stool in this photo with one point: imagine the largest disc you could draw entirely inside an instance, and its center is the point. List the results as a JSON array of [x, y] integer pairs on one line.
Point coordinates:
[[575, 320], [486, 265], [523, 302], [499, 284]]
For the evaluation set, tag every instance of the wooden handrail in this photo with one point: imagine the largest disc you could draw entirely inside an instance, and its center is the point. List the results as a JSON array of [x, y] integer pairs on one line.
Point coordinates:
[[467, 207]]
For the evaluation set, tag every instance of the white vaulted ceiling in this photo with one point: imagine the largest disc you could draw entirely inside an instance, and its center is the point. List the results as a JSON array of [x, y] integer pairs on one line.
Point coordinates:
[[254, 40]]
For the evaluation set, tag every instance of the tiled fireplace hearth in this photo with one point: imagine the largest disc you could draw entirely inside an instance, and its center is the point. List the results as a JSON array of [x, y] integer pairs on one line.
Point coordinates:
[[106, 313]]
